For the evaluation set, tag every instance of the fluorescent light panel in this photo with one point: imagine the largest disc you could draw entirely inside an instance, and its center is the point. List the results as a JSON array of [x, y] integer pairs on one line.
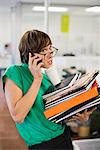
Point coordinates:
[[51, 9], [93, 9]]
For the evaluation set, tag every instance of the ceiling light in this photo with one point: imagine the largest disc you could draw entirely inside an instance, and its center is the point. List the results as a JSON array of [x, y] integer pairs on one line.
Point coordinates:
[[58, 9], [51, 9], [93, 9]]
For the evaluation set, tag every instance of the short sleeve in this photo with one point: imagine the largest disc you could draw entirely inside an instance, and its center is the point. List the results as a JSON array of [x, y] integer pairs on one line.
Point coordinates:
[[13, 74]]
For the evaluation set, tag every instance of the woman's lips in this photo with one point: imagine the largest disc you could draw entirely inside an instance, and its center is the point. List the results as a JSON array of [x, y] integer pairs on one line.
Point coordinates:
[[50, 62]]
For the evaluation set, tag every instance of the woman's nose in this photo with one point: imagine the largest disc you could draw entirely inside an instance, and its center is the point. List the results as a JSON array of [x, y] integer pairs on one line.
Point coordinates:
[[49, 55]]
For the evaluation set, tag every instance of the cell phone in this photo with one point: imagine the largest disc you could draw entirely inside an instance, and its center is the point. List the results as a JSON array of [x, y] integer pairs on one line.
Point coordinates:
[[37, 57], [39, 62]]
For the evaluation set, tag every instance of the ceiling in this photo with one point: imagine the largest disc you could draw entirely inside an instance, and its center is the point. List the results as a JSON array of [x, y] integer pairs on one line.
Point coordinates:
[[55, 2]]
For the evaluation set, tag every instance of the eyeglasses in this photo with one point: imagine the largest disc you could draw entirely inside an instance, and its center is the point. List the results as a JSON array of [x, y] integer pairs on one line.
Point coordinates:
[[53, 52]]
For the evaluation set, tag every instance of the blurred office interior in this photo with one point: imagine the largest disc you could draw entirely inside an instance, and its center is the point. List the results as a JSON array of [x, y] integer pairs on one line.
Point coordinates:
[[74, 27]]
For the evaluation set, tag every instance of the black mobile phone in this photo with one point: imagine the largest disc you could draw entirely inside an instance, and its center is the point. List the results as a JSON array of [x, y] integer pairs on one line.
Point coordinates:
[[39, 62], [37, 57]]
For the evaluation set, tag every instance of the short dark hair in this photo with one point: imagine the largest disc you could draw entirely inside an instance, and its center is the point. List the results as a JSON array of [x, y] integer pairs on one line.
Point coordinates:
[[32, 41]]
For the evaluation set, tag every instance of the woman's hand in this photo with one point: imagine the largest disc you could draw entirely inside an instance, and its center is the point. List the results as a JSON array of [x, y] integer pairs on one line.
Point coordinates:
[[35, 67], [84, 116]]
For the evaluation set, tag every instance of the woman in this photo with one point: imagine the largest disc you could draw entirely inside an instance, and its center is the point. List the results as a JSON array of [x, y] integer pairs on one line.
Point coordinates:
[[24, 87]]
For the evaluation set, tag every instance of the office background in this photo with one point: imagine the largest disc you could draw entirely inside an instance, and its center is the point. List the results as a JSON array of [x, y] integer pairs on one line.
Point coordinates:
[[73, 28]]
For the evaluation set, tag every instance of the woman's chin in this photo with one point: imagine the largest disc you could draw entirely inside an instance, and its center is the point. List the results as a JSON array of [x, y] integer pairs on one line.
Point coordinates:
[[48, 64]]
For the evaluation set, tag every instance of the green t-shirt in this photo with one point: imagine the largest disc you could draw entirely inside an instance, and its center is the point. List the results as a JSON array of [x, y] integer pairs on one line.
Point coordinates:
[[35, 128]]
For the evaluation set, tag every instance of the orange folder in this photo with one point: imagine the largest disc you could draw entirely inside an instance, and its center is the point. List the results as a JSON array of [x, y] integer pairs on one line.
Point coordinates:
[[66, 105]]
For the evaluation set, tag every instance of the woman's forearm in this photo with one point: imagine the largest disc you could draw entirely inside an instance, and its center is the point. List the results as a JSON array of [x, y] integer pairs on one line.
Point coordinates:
[[24, 105]]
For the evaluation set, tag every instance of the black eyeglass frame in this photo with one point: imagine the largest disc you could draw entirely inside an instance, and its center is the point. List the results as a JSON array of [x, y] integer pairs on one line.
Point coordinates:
[[55, 50]]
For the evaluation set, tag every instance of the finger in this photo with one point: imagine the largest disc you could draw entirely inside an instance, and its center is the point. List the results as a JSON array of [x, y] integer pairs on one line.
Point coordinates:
[[95, 108], [40, 65], [77, 118], [85, 112], [30, 55], [72, 119], [78, 114], [36, 61], [91, 111], [38, 55], [31, 59], [29, 62]]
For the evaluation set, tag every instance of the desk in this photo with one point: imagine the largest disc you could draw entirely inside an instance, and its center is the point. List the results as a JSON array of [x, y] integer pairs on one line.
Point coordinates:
[[87, 144]]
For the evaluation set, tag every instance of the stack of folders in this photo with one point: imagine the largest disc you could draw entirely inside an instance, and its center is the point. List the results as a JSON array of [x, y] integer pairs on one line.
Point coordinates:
[[67, 82], [69, 100]]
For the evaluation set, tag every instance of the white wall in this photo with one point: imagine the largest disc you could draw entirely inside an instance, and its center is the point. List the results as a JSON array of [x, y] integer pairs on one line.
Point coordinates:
[[32, 21], [5, 25], [83, 36]]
